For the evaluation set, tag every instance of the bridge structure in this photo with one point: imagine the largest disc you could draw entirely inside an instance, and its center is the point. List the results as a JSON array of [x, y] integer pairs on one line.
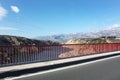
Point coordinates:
[[26, 54]]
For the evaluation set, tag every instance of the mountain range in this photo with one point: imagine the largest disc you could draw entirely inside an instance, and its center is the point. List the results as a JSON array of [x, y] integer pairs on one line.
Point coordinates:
[[113, 30]]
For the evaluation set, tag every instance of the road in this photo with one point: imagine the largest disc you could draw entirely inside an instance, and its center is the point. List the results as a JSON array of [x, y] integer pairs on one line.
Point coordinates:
[[102, 70]]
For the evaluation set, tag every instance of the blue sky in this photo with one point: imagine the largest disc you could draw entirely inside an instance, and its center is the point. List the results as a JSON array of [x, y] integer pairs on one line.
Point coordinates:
[[31, 18]]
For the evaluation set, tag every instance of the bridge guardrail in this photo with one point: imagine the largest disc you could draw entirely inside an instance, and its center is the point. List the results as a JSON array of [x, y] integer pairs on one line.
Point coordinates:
[[13, 55]]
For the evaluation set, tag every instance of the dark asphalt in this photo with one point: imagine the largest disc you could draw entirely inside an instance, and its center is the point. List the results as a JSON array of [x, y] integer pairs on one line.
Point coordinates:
[[103, 70]]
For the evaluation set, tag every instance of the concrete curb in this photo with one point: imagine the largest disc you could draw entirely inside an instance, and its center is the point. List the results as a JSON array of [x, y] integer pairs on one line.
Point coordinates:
[[54, 62]]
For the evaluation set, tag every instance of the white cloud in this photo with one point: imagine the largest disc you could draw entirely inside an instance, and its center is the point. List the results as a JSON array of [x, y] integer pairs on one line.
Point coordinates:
[[114, 26], [7, 28], [3, 12], [15, 9]]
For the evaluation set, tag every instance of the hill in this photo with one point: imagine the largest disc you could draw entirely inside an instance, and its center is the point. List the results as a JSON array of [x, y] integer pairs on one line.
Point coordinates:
[[15, 40], [94, 40]]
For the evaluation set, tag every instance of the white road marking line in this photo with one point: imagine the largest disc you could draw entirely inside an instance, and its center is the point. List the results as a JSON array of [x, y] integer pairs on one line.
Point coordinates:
[[58, 69]]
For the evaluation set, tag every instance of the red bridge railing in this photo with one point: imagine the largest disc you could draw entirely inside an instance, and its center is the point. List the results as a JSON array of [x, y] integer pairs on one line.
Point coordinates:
[[12, 55]]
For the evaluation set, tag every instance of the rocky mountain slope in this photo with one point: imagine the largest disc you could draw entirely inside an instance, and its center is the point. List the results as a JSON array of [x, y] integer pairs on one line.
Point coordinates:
[[15, 40], [94, 40]]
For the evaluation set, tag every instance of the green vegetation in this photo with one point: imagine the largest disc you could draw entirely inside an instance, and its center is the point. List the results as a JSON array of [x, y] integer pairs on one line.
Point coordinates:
[[97, 40]]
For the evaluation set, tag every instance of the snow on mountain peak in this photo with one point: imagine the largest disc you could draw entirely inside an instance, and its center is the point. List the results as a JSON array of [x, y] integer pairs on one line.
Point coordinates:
[[113, 30], [114, 26]]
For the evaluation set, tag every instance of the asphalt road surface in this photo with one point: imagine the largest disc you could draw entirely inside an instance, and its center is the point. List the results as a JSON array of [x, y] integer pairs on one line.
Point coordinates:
[[102, 70]]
